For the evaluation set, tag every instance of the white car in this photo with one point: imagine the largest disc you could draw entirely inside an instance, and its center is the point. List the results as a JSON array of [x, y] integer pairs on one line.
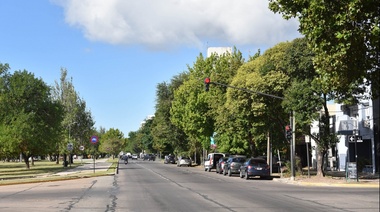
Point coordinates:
[[134, 157], [184, 161]]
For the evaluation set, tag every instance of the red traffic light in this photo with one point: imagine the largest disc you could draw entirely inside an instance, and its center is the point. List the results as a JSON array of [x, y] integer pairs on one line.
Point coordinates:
[[207, 80], [287, 128]]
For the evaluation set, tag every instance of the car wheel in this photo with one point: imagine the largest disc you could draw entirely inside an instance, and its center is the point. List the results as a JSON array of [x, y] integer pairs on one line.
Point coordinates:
[[229, 172]]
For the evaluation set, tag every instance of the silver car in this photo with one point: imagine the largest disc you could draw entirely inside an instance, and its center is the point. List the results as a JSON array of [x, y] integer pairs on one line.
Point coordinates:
[[184, 161]]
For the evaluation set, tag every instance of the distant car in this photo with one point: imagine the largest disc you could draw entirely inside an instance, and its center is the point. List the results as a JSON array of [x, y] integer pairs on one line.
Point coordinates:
[[134, 157], [149, 157], [255, 167], [220, 165], [233, 164], [184, 161], [169, 159]]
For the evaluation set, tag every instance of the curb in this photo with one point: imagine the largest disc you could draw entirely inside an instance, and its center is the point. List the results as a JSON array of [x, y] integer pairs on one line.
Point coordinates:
[[366, 184]]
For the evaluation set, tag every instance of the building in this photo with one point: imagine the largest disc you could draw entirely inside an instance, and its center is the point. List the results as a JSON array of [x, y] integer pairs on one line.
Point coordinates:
[[218, 50], [358, 122]]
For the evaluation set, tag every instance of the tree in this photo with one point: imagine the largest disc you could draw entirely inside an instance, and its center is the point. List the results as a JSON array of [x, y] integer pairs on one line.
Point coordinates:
[[345, 37], [189, 110], [78, 122], [30, 119], [249, 116], [167, 138], [112, 142], [307, 97]]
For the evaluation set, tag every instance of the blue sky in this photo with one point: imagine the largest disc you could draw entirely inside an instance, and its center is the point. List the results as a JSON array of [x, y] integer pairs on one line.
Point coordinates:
[[117, 51]]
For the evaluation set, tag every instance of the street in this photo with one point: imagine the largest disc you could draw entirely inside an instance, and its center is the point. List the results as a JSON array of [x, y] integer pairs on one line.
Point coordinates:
[[154, 186]]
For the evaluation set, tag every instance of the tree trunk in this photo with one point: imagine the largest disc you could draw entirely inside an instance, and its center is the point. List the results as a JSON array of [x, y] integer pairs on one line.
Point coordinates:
[[319, 164], [26, 160]]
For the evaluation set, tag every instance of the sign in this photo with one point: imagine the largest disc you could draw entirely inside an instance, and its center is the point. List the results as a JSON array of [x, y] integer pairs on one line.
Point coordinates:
[[351, 170], [70, 146], [94, 139], [81, 148], [351, 138]]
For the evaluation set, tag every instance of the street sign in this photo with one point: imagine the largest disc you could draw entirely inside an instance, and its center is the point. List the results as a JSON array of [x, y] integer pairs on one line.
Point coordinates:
[[351, 138], [70, 146], [94, 139]]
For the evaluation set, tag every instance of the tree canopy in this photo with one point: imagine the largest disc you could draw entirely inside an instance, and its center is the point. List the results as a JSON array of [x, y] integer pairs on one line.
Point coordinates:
[[345, 37]]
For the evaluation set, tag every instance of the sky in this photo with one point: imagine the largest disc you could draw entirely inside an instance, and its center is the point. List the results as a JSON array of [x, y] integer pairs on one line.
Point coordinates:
[[117, 51]]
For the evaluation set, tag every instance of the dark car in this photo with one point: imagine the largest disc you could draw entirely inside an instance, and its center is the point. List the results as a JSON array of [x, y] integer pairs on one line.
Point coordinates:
[[220, 165], [149, 157], [255, 167], [169, 159], [276, 164], [232, 165]]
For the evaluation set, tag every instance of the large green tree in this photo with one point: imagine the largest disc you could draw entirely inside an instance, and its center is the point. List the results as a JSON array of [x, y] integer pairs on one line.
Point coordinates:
[[167, 138], [250, 114], [190, 110], [30, 119], [78, 123], [345, 37], [112, 142], [308, 99]]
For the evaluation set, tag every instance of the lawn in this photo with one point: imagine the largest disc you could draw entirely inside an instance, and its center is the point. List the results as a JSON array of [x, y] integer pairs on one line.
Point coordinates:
[[16, 172]]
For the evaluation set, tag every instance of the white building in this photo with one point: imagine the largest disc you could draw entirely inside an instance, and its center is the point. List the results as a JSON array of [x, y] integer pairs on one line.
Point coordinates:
[[345, 121], [218, 50]]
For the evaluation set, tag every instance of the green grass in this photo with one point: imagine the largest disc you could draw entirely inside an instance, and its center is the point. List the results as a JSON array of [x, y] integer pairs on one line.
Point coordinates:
[[16, 172]]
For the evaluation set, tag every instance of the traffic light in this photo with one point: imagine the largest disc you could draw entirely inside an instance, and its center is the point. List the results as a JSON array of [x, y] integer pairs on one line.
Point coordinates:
[[207, 83], [288, 132]]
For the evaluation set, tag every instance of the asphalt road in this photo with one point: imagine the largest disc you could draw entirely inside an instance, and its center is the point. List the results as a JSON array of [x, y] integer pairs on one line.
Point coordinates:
[[154, 186]]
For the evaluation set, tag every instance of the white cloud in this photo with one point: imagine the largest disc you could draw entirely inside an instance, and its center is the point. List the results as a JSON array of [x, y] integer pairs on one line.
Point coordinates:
[[159, 24]]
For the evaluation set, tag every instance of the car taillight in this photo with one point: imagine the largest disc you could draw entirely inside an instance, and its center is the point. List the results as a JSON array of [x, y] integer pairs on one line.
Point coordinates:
[[249, 167]]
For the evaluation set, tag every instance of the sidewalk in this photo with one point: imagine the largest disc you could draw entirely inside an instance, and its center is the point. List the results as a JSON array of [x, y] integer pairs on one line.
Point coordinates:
[[87, 167], [332, 179]]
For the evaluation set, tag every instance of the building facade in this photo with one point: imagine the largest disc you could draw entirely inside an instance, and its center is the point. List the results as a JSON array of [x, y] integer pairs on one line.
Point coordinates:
[[358, 134]]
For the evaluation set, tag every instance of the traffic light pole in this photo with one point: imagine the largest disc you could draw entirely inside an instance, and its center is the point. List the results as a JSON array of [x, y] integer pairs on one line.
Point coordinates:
[[207, 81]]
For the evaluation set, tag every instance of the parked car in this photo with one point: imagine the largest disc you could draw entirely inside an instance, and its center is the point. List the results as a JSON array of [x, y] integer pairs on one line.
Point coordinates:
[[220, 165], [255, 167], [134, 157], [211, 160], [169, 159], [149, 157], [184, 161], [276, 164], [232, 165]]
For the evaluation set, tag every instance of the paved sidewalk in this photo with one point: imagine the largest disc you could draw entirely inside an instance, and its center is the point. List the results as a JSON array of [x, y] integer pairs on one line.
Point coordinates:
[[328, 182], [87, 167]]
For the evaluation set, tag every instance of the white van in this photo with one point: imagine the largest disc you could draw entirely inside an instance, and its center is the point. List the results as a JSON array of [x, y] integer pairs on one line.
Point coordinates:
[[211, 160]]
